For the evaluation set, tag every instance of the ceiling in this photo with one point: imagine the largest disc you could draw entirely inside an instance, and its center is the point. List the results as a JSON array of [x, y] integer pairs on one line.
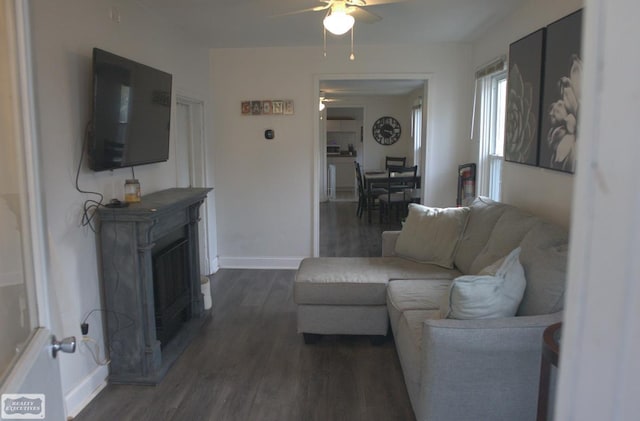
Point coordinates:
[[352, 87], [255, 23], [259, 23]]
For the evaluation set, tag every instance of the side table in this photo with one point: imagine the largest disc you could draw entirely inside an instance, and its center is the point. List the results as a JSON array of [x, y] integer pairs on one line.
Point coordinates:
[[550, 351]]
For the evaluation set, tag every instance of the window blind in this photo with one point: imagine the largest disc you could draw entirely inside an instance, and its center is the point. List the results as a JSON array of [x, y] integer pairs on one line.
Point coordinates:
[[494, 66]]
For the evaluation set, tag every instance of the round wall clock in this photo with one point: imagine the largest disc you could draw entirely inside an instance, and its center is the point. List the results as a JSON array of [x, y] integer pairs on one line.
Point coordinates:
[[386, 130]]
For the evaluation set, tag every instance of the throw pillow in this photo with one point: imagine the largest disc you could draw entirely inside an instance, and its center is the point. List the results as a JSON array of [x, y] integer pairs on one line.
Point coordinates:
[[486, 296], [431, 235], [492, 269]]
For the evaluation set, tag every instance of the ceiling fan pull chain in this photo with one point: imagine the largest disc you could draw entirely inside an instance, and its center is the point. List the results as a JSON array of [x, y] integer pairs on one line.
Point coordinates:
[[352, 56], [324, 38]]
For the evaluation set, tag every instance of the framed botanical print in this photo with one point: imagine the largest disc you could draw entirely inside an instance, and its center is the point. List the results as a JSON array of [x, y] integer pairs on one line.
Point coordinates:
[[561, 96], [524, 84]]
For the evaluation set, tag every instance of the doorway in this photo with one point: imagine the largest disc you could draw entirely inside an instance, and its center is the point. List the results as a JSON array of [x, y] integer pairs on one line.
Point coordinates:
[[26, 356], [191, 164], [344, 145], [376, 96]]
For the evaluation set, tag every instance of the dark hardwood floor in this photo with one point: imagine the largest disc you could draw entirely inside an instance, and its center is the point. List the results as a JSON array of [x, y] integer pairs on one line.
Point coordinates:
[[343, 234], [249, 363]]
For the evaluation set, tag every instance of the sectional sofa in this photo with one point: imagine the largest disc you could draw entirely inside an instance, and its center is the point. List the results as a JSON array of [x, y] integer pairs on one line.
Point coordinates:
[[467, 293]]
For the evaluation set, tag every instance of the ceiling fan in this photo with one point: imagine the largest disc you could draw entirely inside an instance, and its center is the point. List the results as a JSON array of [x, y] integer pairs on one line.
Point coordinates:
[[325, 100], [342, 14]]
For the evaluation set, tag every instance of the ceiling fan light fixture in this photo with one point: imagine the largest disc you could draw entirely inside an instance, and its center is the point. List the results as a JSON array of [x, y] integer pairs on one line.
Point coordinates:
[[338, 22]]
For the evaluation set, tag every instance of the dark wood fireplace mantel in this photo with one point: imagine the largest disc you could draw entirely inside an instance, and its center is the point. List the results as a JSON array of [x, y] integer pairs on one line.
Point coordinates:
[[128, 237]]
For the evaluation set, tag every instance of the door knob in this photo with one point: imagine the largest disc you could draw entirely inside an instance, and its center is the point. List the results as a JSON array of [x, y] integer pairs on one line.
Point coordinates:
[[67, 345]]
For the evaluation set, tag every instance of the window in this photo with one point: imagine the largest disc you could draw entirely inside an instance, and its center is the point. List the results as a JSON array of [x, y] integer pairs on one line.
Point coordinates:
[[492, 93], [496, 140], [416, 131]]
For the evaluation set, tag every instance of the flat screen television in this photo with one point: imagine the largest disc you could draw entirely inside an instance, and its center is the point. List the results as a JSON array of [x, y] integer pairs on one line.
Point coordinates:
[[131, 113]]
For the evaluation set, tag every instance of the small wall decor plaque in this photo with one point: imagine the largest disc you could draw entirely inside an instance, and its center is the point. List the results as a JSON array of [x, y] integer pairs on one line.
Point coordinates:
[[288, 107], [278, 105], [246, 107], [267, 107], [256, 107]]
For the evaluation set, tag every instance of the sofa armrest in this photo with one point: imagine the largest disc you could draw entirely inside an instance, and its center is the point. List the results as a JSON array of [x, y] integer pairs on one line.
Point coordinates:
[[482, 369], [389, 239]]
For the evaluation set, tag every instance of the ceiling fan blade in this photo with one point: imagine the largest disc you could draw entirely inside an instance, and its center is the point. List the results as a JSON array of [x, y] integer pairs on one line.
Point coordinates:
[[378, 2], [362, 15], [311, 9]]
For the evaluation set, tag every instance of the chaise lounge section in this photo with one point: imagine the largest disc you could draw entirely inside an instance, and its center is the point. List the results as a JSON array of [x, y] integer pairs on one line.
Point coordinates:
[[348, 296], [461, 360]]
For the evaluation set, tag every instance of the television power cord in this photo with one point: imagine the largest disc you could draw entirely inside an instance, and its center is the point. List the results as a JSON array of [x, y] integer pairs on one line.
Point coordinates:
[[90, 205]]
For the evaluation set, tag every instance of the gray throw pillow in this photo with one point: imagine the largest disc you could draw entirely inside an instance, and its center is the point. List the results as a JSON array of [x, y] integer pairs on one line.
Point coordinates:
[[486, 296], [544, 258], [431, 235]]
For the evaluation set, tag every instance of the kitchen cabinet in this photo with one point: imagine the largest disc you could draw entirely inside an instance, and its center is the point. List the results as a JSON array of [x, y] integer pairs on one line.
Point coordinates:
[[345, 171]]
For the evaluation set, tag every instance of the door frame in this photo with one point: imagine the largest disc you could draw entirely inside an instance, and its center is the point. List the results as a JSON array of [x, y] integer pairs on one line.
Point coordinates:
[[29, 164], [197, 159], [318, 171], [38, 344]]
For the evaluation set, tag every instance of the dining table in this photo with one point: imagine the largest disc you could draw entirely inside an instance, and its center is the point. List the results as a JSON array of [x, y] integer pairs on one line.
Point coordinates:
[[380, 178]]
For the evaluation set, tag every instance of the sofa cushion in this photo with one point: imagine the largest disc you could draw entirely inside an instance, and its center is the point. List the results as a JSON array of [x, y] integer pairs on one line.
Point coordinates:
[[414, 294], [483, 215], [486, 296], [357, 280], [544, 258], [431, 235], [507, 234]]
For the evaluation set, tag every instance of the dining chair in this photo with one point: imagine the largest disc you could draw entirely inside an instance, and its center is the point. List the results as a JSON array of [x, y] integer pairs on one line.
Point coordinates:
[[401, 188], [366, 196], [400, 161]]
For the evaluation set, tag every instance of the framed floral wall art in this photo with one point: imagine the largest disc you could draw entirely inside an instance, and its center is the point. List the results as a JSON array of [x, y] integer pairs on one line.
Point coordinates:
[[561, 95], [524, 84]]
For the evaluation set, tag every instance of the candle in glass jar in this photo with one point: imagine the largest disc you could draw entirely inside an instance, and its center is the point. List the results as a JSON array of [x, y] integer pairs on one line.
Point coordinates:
[[132, 190]]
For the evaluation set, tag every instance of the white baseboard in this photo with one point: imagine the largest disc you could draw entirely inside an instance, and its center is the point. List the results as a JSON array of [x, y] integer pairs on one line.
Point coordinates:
[[214, 265], [259, 262], [83, 393]]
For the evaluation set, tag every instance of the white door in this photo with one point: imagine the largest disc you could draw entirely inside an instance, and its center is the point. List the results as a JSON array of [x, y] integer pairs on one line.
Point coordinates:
[[30, 385], [191, 163]]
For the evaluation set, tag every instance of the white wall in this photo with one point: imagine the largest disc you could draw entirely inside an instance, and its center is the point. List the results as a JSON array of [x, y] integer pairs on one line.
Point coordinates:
[[264, 189], [64, 33], [544, 192], [376, 106], [382, 106]]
